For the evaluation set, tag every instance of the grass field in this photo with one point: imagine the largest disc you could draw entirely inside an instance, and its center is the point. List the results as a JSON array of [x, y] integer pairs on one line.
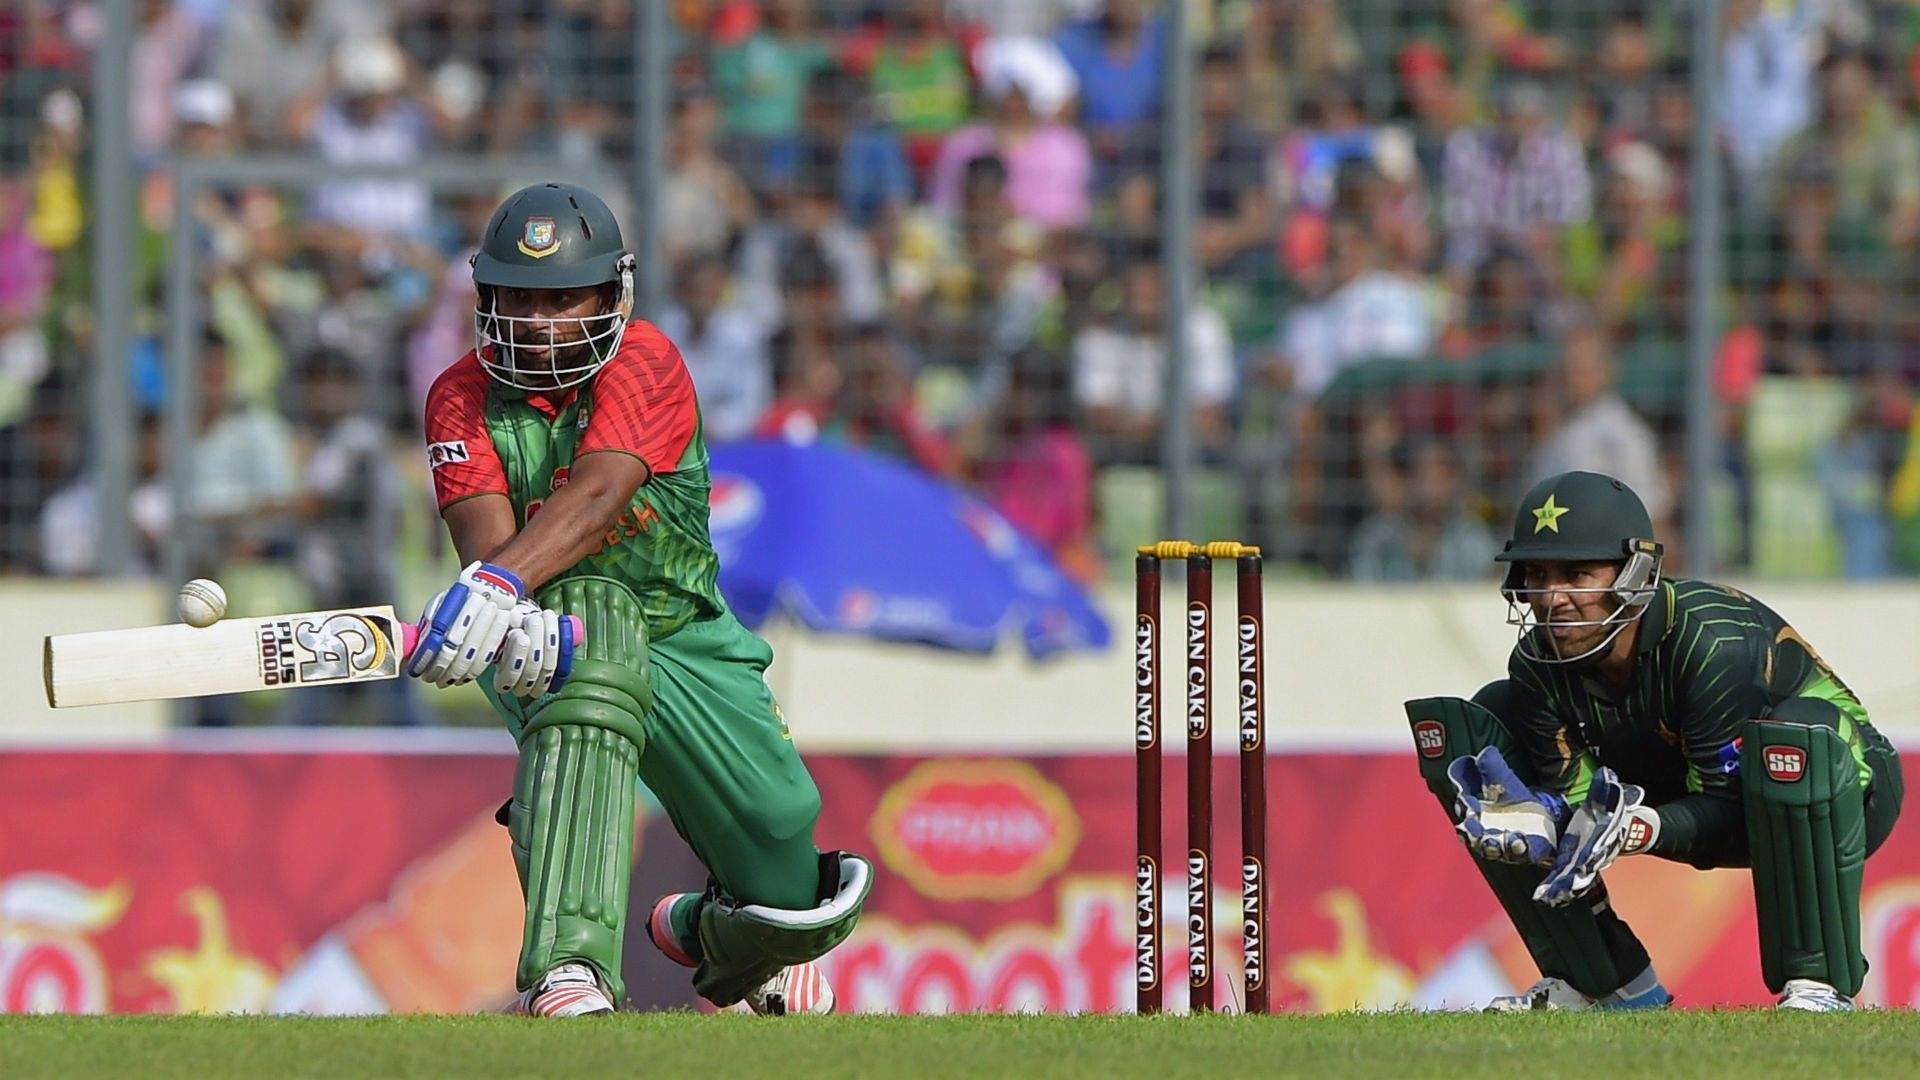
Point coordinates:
[[1679, 1044]]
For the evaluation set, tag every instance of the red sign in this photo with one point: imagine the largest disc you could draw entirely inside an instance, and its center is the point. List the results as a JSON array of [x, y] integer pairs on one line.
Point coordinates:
[[1785, 763], [359, 882]]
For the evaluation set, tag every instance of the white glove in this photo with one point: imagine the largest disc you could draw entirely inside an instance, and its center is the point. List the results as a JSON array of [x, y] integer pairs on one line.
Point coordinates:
[[462, 629], [537, 656]]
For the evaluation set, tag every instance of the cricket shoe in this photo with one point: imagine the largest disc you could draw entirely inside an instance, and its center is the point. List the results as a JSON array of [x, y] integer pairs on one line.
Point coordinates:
[[800, 990], [1558, 995], [1812, 995], [660, 930], [568, 990]]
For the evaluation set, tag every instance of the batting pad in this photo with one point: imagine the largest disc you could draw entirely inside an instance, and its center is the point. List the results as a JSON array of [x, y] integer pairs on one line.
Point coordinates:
[[744, 945], [1807, 828], [1584, 942], [571, 818]]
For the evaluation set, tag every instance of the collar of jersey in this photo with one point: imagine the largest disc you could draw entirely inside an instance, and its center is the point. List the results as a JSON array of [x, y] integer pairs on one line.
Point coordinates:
[[1657, 620]]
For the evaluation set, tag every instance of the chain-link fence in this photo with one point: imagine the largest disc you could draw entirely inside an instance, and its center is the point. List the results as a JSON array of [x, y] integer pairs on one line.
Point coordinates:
[[1441, 248]]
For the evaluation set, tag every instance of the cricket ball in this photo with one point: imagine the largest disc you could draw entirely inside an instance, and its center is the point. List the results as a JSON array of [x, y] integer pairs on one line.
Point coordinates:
[[202, 602]]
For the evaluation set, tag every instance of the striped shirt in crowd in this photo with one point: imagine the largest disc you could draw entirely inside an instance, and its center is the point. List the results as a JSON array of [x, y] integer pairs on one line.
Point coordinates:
[[1497, 191]]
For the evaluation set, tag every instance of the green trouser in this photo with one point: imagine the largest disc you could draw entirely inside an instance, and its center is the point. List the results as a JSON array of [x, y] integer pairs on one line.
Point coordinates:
[[717, 756]]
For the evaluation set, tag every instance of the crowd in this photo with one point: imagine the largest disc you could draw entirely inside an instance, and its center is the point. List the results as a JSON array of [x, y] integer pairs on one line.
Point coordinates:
[[1443, 250]]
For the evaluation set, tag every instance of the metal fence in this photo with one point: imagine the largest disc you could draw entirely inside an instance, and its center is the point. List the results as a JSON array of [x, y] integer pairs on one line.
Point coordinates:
[[1430, 250]]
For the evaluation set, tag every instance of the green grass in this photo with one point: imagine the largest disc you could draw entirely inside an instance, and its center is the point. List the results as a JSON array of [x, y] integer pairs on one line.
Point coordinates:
[[1762, 1044]]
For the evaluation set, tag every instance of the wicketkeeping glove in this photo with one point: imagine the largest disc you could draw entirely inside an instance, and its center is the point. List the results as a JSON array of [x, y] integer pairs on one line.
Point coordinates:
[[1603, 827], [1501, 818], [463, 628]]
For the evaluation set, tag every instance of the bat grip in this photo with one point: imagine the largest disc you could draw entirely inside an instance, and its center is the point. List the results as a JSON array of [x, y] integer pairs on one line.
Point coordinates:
[[410, 635]]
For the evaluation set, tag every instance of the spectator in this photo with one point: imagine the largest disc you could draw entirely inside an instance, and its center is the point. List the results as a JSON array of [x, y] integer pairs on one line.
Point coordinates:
[[919, 74], [704, 205], [840, 136], [1591, 427], [1236, 209], [273, 53], [805, 382], [1875, 152], [1437, 104], [166, 43], [26, 284], [812, 216], [1285, 49], [1117, 58], [1422, 529], [762, 78], [348, 510], [725, 349], [1767, 65], [972, 285], [244, 481], [876, 409], [70, 523], [1119, 371], [1367, 313], [1625, 72], [1515, 188], [1049, 169], [368, 119], [1033, 465]]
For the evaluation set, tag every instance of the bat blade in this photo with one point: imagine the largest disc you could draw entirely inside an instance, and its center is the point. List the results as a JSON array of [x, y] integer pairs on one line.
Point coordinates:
[[233, 656]]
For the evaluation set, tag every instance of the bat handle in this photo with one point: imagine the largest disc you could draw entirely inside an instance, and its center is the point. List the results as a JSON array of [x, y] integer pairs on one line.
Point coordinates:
[[409, 637]]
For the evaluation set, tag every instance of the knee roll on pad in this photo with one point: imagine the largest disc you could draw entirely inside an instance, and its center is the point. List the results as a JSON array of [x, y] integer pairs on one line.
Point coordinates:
[[1806, 825], [611, 683], [743, 945]]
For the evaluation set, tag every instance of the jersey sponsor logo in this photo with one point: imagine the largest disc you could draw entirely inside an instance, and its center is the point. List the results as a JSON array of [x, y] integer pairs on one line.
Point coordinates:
[[447, 453], [560, 477], [1431, 737], [539, 239], [1786, 764], [1730, 758]]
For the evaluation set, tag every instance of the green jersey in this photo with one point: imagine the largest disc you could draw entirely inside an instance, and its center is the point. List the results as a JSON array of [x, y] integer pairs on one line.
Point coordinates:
[[1709, 658], [486, 438]]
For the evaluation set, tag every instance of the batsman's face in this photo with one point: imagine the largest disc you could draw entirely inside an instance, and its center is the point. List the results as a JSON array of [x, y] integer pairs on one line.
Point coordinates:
[[547, 328], [1572, 601]]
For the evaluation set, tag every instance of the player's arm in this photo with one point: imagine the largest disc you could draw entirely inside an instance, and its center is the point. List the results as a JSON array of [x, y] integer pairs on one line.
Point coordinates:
[[1722, 692], [571, 523]]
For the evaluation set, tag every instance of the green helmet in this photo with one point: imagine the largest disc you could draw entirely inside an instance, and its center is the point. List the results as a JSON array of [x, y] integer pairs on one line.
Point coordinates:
[[550, 236], [1580, 517]]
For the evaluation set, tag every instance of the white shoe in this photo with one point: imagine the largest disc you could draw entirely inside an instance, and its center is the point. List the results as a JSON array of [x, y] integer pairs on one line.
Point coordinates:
[[1812, 995], [1558, 995], [800, 990], [568, 990]]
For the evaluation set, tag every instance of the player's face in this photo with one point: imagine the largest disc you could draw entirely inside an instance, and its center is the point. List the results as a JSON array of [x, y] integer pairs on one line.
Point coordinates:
[[544, 326], [1564, 595]]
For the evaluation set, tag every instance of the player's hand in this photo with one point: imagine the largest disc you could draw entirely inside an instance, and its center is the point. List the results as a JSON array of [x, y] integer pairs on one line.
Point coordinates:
[[1611, 822], [537, 656], [462, 628], [1501, 818]]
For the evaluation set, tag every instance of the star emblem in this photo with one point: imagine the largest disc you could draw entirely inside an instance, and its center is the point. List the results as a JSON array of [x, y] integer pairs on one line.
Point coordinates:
[[1547, 515]]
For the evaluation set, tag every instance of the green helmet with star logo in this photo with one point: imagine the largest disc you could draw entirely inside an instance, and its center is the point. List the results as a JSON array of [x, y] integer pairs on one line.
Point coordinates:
[[1581, 517]]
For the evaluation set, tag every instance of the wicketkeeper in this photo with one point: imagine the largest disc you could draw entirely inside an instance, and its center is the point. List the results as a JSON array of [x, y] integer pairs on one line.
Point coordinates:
[[569, 465], [1666, 717]]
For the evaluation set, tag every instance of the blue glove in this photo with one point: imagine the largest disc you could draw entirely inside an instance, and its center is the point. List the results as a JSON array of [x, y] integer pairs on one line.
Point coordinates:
[[1597, 834], [1501, 818], [462, 628]]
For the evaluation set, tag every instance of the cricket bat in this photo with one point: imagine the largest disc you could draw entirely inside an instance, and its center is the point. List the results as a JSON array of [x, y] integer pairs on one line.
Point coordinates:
[[233, 656]]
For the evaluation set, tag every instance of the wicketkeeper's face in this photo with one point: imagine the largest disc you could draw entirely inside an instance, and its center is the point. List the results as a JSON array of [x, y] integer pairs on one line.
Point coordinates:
[[1572, 601]]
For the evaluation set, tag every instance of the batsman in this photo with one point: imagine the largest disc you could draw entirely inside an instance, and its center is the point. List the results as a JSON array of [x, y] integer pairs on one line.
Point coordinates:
[[1648, 716], [569, 466]]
